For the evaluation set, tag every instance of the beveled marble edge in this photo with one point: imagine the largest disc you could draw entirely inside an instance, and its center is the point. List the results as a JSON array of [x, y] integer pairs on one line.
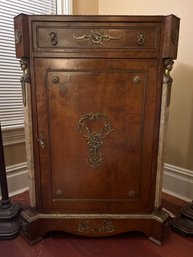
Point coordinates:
[[161, 148], [29, 145]]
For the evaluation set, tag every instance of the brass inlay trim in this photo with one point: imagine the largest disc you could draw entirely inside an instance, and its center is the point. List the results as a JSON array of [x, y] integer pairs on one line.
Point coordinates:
[[158, 215], [96, 37], [94, 139]]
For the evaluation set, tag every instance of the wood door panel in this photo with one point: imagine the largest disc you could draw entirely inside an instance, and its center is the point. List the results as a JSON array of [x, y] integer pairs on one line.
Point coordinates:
[[67, 95], [85, 93]]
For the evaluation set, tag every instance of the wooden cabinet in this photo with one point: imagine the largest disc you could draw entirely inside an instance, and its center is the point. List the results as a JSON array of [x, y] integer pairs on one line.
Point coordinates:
[[96, 86]]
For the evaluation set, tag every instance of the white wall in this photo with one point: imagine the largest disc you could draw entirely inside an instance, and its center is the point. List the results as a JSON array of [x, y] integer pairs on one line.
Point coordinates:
[[180, 130], [85, 7]]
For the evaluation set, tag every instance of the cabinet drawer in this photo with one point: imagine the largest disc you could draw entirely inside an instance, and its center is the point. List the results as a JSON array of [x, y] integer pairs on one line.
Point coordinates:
[[59, 36]]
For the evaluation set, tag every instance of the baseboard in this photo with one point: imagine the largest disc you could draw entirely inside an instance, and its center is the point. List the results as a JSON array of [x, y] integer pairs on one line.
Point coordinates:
[[178, 182], [17, 178]]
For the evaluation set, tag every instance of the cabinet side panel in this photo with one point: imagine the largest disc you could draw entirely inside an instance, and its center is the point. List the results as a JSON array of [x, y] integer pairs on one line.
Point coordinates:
[[171, 36], [21, 35]]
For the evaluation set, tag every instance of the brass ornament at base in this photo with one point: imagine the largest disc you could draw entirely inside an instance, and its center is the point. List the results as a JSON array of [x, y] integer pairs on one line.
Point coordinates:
[[105, 227], [36, 225]]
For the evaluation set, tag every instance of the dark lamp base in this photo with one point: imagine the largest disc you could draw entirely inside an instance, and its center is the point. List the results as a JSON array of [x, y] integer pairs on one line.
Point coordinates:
[[184, 222], [10, 221]]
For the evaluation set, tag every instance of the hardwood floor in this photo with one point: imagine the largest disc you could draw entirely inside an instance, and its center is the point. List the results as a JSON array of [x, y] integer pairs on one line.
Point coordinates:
[[134, 245], [128, 245]]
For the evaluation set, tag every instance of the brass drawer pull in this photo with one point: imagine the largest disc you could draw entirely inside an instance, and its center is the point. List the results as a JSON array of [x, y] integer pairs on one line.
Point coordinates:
[[53, 38], [140, 38]]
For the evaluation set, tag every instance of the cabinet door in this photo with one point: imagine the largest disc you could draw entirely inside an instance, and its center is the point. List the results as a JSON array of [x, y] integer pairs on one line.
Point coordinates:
[[95, 134]]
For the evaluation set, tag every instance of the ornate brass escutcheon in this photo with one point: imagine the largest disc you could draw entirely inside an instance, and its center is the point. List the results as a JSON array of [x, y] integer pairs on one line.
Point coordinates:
[[96, 37], [94, 139]]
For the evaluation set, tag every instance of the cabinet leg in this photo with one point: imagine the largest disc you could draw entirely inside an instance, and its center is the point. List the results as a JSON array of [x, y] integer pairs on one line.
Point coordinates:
[[159, 231]]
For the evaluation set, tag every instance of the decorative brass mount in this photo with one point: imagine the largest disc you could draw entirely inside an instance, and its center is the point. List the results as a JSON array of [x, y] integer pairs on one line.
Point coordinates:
[[167, 79], [18, 37], [41, 141], [25, 78], [94, 139], [96, 37], [175, 36], [106, 227]]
